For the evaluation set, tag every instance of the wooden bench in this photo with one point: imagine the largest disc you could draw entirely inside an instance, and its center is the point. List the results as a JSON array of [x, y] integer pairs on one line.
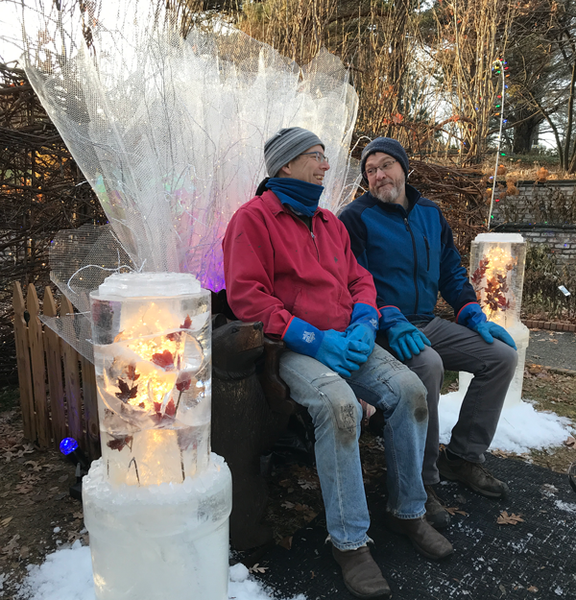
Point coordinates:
[[251, 408]]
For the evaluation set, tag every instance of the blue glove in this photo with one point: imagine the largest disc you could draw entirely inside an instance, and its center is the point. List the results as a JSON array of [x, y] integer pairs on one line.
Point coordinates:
[[471, 316], [340, 354], [330, 347], [406, 340], [364, 325]]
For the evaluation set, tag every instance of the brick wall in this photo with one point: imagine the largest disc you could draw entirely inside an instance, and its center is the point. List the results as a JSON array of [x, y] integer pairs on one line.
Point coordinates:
[[544, 213]]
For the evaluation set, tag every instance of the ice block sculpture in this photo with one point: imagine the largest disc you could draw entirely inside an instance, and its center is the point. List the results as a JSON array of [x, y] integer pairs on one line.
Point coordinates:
[[157, 503], [497, 274]]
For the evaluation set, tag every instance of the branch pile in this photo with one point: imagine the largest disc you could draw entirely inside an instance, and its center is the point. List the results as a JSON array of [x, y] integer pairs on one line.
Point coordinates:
[[41, 192], [460, 194]]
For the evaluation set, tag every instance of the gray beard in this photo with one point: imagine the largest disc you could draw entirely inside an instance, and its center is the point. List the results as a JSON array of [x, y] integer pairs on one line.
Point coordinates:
[[388, 196]]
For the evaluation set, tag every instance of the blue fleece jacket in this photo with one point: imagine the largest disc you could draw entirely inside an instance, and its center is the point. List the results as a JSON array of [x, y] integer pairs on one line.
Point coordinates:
[[411, 255]]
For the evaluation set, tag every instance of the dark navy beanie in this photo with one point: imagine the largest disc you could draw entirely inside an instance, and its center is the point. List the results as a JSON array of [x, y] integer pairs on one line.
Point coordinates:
[[388, 146]]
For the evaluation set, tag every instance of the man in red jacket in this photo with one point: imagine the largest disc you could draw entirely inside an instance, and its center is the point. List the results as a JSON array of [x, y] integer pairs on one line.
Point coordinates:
[[289, 264]]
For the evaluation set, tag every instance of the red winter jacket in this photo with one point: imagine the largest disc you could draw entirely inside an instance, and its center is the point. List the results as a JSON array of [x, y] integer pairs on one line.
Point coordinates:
[[275, 268]]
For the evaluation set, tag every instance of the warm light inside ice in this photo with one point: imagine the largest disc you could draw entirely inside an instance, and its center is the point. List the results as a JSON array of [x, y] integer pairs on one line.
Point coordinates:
[[500, 263]]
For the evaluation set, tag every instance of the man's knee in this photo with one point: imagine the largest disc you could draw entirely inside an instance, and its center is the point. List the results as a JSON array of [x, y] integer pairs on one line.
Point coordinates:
[[429, 367], [503, 358], [339, 407], [413, 392]]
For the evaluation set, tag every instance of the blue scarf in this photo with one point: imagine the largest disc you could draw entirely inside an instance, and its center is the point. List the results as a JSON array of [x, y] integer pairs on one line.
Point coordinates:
[[300, 195]]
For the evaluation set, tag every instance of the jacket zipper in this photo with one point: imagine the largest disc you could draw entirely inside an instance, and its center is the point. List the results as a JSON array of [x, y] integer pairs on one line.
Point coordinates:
[[314, 240], [415, 264], [427, 253]]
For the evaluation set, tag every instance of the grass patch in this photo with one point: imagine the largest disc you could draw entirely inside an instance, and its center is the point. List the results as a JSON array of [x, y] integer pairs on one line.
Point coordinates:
[[555, 392], [450, 380]]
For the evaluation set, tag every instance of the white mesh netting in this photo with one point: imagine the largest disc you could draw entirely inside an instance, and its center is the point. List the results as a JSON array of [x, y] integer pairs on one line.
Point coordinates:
[[170, 131]]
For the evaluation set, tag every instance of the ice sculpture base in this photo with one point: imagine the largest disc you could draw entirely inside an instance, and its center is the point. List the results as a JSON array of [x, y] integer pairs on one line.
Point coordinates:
[[161, 541], [521, 335]]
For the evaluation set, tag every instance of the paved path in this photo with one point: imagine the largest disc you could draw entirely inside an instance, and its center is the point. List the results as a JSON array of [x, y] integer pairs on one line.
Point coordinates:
[[552, 349]]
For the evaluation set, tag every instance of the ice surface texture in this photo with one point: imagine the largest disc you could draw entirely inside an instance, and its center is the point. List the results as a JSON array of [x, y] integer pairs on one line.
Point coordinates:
[[497, 274], [169, 131], [160, 541], [152, 356]]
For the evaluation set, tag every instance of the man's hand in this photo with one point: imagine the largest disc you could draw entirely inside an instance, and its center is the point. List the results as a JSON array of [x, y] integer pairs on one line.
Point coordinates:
[[489, 331], [473, 317], [340, 353], [363, 326], [330, 347], [406, 340]]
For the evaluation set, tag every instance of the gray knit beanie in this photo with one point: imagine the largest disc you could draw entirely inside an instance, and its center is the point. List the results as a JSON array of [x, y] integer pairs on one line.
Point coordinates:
[[286, 145], [388, 146]]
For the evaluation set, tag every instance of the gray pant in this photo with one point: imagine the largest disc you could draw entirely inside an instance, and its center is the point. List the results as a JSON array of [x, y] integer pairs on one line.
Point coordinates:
[[458, 348]]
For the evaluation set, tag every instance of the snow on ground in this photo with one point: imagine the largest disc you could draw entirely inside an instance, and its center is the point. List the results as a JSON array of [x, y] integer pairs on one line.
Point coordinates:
[[67, 575], [520, 428]]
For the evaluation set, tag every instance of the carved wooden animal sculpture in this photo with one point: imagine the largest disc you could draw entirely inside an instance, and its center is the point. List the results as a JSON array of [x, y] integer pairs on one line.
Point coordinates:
[[243, 425]]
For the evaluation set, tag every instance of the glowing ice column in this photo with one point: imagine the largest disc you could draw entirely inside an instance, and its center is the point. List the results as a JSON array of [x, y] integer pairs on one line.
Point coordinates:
[[157, 503], [497, 274]]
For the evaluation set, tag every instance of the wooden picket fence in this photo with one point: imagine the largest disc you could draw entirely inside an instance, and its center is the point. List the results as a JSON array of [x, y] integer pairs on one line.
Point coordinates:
[[57, 385]]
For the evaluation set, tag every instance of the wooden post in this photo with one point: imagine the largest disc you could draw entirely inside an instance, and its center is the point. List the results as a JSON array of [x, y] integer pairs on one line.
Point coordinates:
[[54, 368], [43, 429], [72, 381], [23, 362], [90, 409]]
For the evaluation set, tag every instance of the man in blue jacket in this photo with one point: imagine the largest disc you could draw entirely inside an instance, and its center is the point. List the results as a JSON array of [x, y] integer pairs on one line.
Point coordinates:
[[405, 242]]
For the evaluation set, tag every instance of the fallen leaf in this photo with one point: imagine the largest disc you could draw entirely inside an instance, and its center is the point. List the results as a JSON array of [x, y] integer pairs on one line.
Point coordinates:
[[500, 453], [532, 589], [35, 466], [256, 568], [287, 504], [286, 542], [454, 510], [509, 519], [307, 485], [5, 521], [570, 442]]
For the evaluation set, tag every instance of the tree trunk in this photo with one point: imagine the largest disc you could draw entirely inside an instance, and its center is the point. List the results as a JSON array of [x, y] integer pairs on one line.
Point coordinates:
[[525, 133]]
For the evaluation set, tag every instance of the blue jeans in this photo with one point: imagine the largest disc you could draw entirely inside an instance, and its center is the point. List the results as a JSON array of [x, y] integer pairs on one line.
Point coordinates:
[[331, 401]]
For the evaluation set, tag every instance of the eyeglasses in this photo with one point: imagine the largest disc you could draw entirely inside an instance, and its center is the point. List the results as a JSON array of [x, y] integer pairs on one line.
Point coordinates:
[[385, 168], [321, 158]]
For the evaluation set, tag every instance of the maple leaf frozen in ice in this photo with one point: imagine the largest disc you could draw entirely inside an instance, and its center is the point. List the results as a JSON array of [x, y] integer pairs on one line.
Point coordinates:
[[126, 393], [163, 416], [118, 442], [131, 373], [175, 337], [184, 382], [164, 360]]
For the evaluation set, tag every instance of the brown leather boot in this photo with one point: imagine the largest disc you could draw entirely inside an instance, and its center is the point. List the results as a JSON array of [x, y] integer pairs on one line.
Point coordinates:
[[436, 514], [423, 536], [474, 475], [362, 575]]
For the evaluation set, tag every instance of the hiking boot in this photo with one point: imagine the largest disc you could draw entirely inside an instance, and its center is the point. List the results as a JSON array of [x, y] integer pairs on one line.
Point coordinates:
[[423, 536], [436, 514], [474, 475], [362, 575]]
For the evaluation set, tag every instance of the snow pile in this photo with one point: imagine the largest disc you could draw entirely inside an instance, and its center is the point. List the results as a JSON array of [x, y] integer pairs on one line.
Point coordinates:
[[67, 575], [521, 427]]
